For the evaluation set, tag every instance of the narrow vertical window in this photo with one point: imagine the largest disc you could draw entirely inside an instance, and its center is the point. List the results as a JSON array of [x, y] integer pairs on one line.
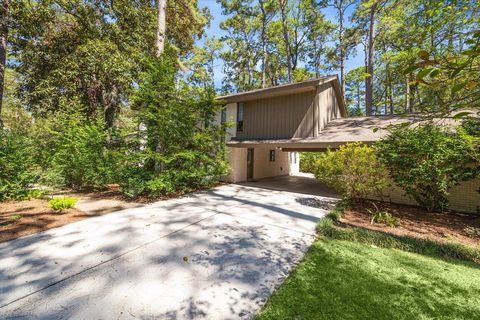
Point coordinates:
[[272, 155], [223, 118], [240, 110]]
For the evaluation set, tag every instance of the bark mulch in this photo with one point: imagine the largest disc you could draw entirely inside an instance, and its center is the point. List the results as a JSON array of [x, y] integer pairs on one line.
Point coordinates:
[[416, 222], [21, 218]]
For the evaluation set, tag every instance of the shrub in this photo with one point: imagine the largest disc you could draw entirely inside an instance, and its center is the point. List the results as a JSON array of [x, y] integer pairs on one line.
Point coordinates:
[[307, 161], [18, 171], [427, 162], [353, 171], [59, 204], [78, 153], [383, 217]]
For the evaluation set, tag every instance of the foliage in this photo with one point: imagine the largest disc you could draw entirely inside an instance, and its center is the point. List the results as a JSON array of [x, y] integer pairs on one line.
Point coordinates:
[[15, 218], [307, 161], [426, 161], [383, 217], [346, 280], [473, 232], [77, 153], [353, 170], [60, 204], [471, 125], [18, 171]]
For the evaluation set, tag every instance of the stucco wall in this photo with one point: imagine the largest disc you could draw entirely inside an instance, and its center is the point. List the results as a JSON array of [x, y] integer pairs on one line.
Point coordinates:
[[263, 167], [237, 158], [285, 163], [463, 198]]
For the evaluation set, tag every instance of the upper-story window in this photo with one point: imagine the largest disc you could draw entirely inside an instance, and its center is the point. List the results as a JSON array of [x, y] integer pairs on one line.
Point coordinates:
[[240, 111], [223, 117]]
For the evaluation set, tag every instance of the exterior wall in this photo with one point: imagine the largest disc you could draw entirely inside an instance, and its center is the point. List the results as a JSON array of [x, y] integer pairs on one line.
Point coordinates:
[[281, 117], [327, 104], [237, 158], [263, 167], [463, 198], [286, 163]]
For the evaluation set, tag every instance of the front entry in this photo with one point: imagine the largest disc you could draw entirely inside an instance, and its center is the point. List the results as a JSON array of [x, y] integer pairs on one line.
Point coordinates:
[[250, 164]]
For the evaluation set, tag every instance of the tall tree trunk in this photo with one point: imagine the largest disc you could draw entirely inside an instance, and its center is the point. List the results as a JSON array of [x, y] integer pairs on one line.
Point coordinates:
[[407, 94], [370, 62], [342, 49], [4, 21], [264, 43], [286, 38], [160, 48], [161, 26]]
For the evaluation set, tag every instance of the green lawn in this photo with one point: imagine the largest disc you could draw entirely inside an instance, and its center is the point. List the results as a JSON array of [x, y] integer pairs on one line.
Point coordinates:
[[347, 280]]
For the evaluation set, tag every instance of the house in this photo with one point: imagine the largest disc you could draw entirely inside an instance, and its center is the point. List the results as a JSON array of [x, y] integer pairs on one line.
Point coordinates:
[[272, 125]]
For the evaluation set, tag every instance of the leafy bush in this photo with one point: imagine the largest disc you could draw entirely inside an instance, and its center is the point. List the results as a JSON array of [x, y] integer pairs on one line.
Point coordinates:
[[18, 171], [79, 155], [427, 162], [472, 126], [59, 204], [353, 170], [383, 217], [308, 160]]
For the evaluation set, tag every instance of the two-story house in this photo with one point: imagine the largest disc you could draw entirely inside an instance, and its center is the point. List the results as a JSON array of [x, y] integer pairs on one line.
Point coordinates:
[[273, 124]]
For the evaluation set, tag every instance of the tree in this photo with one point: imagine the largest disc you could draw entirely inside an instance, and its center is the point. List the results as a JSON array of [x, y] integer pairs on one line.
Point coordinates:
[[4, 25], [344, 43], [283, 4], [161, 27]]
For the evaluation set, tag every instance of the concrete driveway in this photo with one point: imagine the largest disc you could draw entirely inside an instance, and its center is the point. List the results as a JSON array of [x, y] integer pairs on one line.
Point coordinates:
[[217, 254]]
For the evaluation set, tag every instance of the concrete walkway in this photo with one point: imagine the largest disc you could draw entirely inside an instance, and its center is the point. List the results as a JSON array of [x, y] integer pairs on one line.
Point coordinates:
[[214, 255]]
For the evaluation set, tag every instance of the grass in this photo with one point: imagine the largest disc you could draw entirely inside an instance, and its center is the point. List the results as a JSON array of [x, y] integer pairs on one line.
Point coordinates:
[[448, 250], [341, 279]]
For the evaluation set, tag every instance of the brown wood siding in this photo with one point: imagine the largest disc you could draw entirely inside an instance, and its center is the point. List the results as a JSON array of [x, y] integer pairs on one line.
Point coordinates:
[[279, 117]]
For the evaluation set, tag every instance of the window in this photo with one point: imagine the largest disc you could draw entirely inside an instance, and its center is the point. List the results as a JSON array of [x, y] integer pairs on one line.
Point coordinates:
[[223, 118], [272, 155], [240, 109]]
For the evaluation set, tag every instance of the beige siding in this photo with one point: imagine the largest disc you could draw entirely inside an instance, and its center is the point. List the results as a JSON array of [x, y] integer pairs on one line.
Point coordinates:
[[279, 117], [328, 108], [463, 198]]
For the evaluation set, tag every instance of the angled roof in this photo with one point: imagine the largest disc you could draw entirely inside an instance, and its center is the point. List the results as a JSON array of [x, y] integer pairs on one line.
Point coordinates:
[[286, 89], [340, 131]]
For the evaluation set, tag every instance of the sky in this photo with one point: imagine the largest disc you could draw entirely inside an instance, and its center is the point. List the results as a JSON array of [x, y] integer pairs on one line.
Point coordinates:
[[214, 30]]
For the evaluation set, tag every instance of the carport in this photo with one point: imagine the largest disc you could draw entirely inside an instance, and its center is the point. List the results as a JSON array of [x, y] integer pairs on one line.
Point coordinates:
[[304, 183]]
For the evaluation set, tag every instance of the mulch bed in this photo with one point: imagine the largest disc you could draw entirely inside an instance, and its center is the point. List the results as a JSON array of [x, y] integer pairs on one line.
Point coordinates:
[[416, 222], [21, 218]]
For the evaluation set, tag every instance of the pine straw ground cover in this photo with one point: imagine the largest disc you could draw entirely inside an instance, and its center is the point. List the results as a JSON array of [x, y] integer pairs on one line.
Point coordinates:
[[355, 270]]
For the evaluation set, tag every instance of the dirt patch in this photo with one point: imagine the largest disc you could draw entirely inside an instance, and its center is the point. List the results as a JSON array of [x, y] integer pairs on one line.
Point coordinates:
[[21, 218], [416, 222]]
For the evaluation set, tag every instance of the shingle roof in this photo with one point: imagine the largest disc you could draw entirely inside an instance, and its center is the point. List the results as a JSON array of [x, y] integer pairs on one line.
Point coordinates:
[[341, 131]]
